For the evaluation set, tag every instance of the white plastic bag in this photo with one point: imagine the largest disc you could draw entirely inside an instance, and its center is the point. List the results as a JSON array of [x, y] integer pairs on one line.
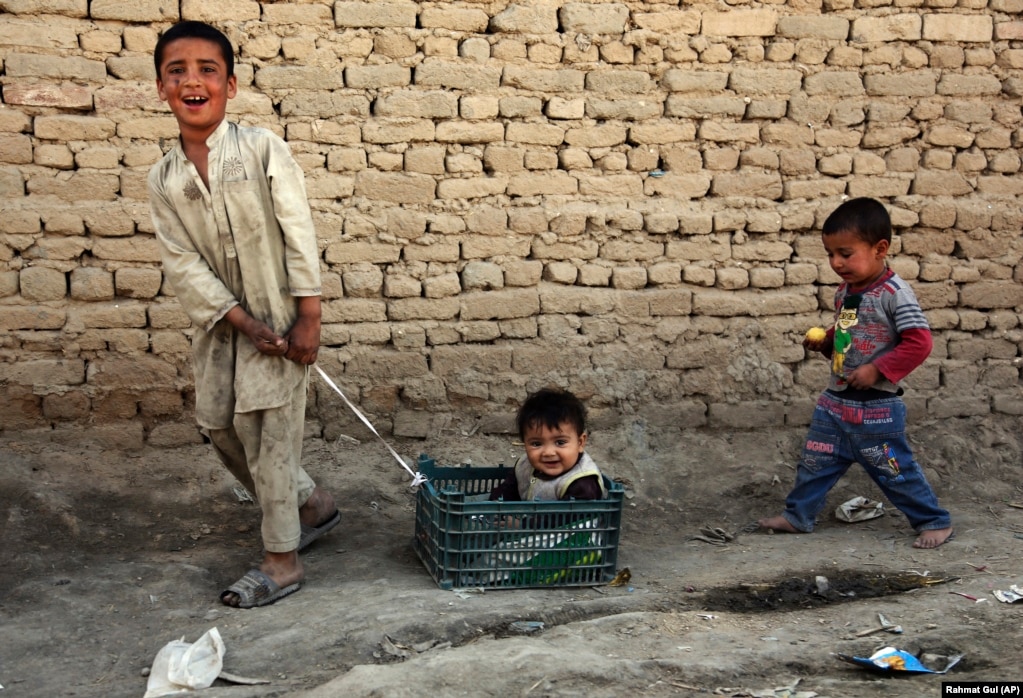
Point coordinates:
[[182, 666]]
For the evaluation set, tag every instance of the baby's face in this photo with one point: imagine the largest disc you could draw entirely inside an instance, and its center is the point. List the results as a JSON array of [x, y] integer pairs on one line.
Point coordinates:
[[553, 451]]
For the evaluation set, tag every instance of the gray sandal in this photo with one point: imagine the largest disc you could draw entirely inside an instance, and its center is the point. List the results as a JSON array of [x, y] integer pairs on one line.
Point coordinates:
[[257, 589], [311, 533]]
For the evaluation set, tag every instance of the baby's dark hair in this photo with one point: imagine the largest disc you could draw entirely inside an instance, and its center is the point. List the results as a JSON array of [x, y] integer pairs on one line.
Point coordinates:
[[194, 30], [864, 217], [550, 407]]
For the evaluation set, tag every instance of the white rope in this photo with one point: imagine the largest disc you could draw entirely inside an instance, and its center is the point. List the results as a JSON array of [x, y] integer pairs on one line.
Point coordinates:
[[417, 478]]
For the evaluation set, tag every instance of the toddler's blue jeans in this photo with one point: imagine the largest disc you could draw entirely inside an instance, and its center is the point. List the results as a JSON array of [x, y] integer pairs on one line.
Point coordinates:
[[873, 434]]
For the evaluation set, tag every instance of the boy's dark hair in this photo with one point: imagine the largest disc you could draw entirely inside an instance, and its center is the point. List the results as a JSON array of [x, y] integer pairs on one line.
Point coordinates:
[[550, 407], [194, 30], [865, 217]]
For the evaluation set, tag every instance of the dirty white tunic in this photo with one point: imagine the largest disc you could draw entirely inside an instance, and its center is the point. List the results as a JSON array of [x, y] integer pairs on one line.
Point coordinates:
[[248, 240]]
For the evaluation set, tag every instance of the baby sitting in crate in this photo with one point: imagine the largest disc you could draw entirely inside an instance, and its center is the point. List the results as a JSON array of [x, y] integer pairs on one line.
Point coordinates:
[[552, 425]]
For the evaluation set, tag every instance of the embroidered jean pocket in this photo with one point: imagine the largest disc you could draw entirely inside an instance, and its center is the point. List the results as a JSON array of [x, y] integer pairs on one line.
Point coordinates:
[[821, 446], [883, 452]]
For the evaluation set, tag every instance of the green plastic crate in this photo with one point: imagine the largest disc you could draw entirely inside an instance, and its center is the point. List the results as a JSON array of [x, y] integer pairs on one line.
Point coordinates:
[[466, 541]]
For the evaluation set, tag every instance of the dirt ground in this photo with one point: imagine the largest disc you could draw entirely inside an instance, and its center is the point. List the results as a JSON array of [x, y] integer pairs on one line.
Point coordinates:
[[107, 556]]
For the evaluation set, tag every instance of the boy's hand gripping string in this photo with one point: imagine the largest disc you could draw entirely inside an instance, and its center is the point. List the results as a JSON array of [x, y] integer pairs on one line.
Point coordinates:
[[417, 478]]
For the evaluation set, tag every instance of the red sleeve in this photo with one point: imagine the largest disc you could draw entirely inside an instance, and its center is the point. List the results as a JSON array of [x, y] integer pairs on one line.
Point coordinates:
[[913, 348]]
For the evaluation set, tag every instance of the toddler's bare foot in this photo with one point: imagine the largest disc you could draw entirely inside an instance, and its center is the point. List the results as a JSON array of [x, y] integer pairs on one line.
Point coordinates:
[[778, 523], [933, 538]]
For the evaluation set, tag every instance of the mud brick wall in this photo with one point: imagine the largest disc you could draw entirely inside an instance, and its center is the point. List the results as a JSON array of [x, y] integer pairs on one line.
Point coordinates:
[[620, 197]]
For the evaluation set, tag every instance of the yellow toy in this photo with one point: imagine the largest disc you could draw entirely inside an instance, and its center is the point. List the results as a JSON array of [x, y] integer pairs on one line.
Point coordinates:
[[816, 334]]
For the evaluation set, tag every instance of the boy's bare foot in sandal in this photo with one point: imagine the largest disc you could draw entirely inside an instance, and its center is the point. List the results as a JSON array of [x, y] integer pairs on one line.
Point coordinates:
[[318, 515], [279, 575]]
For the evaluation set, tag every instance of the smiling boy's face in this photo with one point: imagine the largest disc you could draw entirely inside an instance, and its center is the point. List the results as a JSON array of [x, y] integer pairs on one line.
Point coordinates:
[[195, 83]]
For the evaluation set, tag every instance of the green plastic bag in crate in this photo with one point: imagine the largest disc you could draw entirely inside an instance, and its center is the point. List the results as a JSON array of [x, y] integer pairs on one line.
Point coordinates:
[[540, 558]]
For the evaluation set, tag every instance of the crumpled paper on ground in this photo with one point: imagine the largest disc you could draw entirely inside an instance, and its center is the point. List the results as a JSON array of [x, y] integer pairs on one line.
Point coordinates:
[[182, 666], [859, 509]]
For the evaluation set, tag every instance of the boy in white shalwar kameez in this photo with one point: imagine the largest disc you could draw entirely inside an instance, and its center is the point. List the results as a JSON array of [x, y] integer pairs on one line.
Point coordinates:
[[239, 249]]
